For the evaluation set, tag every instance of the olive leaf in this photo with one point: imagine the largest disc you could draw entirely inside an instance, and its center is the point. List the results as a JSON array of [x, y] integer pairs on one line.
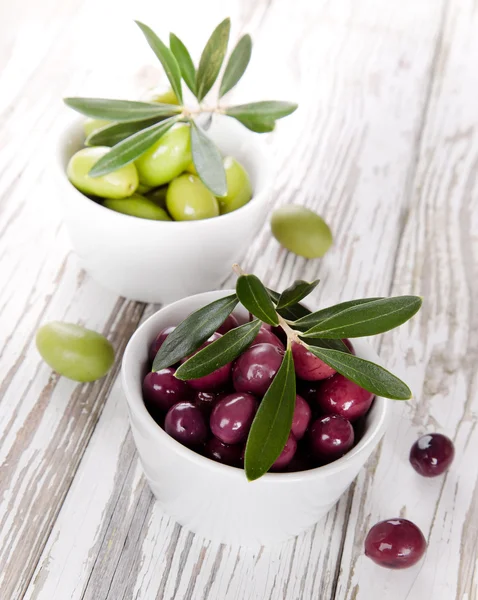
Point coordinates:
[[254, 297], [313, 318], [184, 60], [219, 353], [208, 161], [112, 134], [366, 319], [166, 58], [236, 65], [212, 58], [296, 292], [327, 344], [364, 373], [256, 124], [291, 313], [267, 109], [193, 331], [272, 423], [120, 110], [131, 148]]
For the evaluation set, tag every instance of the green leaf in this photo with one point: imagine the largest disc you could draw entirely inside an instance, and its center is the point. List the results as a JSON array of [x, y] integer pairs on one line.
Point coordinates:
[[110, 135], [256, 124], [254, 297], [296, 292], [268, 109], [166, 58], [208, 161], [129, 149], [327, 344], [120, 110], [184, 60], [364, 373], [272, 423], [371, 318], [212, 58], [313, 318], [237, 64], [219, 353], [291, 313], [193, 331]]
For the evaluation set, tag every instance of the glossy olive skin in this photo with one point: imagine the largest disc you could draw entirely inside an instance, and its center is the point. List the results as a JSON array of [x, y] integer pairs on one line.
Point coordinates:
[[138, 206], [216, 380], [226, 454], [158, 342], [188, 199], [232, 418], [432, 454], [161, 94], [74, 351], [301, 231], [301, 418], [92, 125], [307, 366], [119, 184], [340, 396], [230, 322], [330, 438], [161, 389], [185, 423], [239, 189], [167, 158], [286, 455], [254, 370], [206, 401], [265, 336], [395, 544]]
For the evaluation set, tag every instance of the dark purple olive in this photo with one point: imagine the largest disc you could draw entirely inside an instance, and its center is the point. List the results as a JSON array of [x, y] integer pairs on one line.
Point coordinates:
[[217, 379], [185, 423], [286, 455], [158, 342], [254, 370], [349, 345], [395, 544], [231, 322], [232, 417], [432, 454], [301, 418], [162, 390], [330, 438], [265, 336], [224, 453], [308, 391], [340, 396], [307, 366], [206, 401]]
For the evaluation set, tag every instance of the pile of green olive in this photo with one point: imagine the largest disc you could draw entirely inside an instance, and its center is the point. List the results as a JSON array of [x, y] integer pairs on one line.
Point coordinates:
[[162, 184]]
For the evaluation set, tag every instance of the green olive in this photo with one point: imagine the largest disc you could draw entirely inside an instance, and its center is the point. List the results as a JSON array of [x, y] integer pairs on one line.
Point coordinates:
[[191, 168], [143, 189], [301, 231], [118, 184], [239, 189], [92, 125], [188, 199], [160, 94], [158, 195], [75, 352], [138, 206], [167, 158]]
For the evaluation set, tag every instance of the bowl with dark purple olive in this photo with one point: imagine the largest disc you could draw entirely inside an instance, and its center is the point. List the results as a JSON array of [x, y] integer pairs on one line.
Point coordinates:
[[252, 414]]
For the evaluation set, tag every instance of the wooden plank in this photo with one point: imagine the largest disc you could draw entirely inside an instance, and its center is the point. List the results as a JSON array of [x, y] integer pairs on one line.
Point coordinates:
[[360, 72], [438, 259]]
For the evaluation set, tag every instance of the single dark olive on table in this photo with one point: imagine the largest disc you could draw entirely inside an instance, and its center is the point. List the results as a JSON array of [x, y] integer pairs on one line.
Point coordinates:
[[395, 544], [340, 396], [231, 322], [216, 380], [307, 366], [232, 417], [330, 438], [265, 336], [432, 454], [158, 342], [185, 423], [226, 454], [254, 370], [162, 390], [286, 455]]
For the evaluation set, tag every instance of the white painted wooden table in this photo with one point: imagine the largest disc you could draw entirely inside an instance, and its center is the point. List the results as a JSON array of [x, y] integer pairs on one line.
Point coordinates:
[[385, 146]]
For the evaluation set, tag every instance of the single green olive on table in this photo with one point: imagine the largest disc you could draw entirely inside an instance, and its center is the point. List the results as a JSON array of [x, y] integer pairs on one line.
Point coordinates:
[[159, 138], [255, 386]]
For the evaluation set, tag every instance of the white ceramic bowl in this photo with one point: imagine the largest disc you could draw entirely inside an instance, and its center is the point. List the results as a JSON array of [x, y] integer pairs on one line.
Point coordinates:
[[214, 500], [160, 261]]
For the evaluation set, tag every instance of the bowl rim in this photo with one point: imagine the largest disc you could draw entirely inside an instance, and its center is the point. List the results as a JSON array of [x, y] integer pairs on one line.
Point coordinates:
[[63, 155], [136, 405]]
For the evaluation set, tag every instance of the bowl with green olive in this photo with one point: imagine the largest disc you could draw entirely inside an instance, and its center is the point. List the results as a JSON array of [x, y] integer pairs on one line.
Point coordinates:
[[159, 197]]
